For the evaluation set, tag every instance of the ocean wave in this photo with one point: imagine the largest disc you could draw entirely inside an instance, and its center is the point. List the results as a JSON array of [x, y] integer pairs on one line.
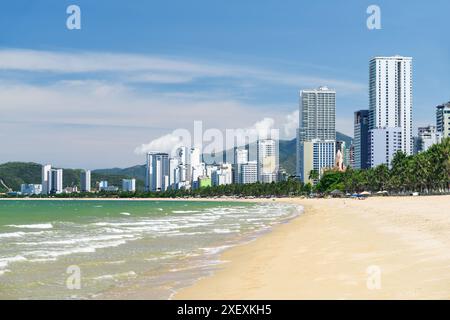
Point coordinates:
[[125, 213], [116, 276], [4, 262], [77, 250], [12, 234], [31, 226], [80, 240]]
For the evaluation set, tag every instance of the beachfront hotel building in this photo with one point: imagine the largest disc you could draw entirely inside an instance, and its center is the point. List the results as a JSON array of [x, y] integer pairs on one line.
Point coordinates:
[[384, 144], [267, 159], [249, 172], [240, 158], [317, 155], [317, 127], [52, 180], [55, 181], [443, 119], [426, 137], [390, 108], [361, 140], [157, 171], [85, 181], [221, 175], [129, 185], [45, 178]]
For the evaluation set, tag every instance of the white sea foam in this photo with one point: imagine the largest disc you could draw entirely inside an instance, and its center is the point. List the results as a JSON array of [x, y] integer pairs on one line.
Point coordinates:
[[4, 262], [125, 213], [31, 226], [12, 234], [222, 230], [185, 211], [129, 274]]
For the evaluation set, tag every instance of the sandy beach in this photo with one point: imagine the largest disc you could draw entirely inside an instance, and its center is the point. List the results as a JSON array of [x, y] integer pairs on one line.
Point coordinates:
[[380, 248]]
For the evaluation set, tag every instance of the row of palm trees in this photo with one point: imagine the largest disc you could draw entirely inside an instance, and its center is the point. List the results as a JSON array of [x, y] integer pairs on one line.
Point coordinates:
[[425, 172]]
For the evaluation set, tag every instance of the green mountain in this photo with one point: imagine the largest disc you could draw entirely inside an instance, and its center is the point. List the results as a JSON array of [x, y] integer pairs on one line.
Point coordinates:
[[13, 174]]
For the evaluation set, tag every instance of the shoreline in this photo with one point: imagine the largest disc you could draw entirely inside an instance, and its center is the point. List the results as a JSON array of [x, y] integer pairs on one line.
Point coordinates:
[[336, 249]]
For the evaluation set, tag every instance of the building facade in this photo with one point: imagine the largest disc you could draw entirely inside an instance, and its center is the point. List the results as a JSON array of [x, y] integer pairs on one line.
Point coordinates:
[[30, 189], [318, 155], [427, 136], [45, 178], [384, 144], [129, 185], [56, 181], [85, 181], [443, 119], [317, 128], [361, 140], [157, 172], [390, 106], [240, 157], [267, 155], [249, 172]]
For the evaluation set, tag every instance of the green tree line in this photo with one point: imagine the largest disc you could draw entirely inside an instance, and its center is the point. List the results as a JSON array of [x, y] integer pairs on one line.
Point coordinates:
[[425, 172]]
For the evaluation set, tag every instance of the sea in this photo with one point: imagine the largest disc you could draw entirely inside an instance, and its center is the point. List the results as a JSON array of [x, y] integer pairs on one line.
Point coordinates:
[[121, 249]]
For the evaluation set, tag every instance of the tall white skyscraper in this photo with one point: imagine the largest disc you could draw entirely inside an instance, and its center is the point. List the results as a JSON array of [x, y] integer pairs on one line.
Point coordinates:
[[317, 122], [157, 172], [45, 178], [85, 180], [267, 155], [390, 106]]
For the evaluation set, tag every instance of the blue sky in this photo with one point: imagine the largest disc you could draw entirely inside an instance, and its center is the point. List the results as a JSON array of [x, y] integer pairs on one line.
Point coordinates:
[[139, 69]]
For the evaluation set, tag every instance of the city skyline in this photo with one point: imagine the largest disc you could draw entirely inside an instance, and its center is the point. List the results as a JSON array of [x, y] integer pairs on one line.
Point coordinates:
[[81, 86]]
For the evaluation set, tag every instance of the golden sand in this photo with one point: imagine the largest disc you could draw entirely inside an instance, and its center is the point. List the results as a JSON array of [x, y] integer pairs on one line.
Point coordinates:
[[379, 248]]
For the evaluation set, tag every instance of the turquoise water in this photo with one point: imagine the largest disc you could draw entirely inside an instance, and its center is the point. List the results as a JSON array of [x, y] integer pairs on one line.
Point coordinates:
[[120, 249]]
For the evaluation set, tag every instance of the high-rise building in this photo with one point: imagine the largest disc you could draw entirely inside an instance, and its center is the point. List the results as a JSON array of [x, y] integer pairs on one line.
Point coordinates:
[[317, 120], [427, 136], [85, 180], [390, 106], [197, 167], [361, 140], [351, 156], [222, 175], [45, 178], [267, 155], [443, 119], [157, 172], [384, 144], [318, 155], [174, 173], [103, 185], [249, 172], [317, 116], [56, 181], [240, 157], [128, 185]]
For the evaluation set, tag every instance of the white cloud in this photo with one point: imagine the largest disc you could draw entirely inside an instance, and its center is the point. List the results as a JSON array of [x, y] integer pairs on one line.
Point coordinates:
[[291, 124], [154, 69], [165, 143]]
